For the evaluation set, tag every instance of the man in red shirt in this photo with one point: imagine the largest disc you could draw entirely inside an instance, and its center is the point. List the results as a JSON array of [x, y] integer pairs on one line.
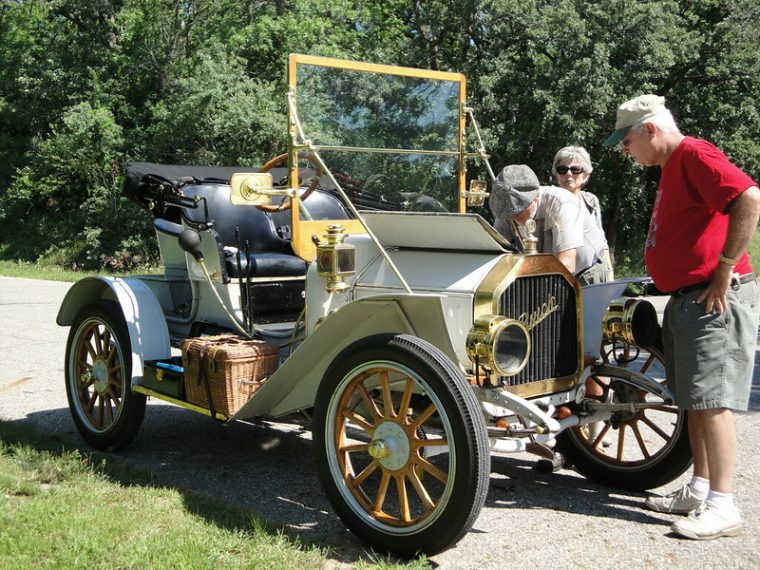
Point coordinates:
[[704, 215]]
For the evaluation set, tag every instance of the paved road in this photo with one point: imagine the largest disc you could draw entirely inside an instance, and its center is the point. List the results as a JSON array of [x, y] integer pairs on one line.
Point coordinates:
[[530, 520]]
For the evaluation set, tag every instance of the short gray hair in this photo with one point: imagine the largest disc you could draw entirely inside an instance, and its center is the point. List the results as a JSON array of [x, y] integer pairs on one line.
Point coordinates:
[[663, 120], [570, 153]]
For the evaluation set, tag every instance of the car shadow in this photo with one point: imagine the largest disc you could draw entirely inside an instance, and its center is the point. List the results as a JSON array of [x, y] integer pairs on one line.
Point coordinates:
[[515, 483], [267, 469]]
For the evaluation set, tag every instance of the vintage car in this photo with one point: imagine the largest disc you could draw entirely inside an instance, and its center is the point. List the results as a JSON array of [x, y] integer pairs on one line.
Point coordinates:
[[346, 280]]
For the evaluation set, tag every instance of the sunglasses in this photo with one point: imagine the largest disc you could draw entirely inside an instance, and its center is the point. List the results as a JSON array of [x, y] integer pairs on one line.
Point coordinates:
[[573, 169]]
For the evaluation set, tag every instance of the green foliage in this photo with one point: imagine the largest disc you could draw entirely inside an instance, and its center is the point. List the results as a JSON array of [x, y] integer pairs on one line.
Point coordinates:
[[86, 85]]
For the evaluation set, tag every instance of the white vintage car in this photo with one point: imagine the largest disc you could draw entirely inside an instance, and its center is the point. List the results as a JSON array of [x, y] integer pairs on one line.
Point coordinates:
[[418, 340]]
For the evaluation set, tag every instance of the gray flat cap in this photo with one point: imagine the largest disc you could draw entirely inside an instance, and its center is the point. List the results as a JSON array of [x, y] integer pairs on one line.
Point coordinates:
[[514, 189]]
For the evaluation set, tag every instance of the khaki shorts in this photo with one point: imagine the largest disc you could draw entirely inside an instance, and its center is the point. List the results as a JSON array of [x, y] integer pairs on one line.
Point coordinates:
[[709, 359]]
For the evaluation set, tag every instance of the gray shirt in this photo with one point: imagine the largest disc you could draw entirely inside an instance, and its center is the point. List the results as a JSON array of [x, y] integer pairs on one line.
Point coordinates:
[[564, 222]]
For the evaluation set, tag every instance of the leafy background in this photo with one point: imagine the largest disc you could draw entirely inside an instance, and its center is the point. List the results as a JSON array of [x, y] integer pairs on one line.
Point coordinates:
[[86, 85]]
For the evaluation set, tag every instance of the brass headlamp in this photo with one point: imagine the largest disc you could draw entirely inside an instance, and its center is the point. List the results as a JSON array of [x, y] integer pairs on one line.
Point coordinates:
[[632, 320], [499, 344]]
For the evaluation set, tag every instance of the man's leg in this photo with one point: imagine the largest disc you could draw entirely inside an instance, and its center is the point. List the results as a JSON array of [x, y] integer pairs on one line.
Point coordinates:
[[714, 446], [697, 441]]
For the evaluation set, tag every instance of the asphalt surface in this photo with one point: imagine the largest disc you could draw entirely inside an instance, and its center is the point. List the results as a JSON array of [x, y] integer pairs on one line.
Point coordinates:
[[530, 520]]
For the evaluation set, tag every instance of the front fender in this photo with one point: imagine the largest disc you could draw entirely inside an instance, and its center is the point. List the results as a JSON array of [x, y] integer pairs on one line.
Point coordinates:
[[294, 385], [148, 333]]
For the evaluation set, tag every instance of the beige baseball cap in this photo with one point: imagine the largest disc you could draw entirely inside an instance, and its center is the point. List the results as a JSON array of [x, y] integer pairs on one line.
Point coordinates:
[[632, 112]]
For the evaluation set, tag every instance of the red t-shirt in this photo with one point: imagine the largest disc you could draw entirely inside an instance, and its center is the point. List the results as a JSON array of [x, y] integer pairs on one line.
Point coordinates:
[[689, 221]]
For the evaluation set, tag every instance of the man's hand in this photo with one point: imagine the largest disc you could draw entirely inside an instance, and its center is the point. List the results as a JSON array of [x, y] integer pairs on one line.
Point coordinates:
[[716, 295]]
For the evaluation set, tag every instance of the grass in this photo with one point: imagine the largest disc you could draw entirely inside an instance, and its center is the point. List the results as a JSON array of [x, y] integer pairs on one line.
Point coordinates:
[[48, 272], [63, 508]]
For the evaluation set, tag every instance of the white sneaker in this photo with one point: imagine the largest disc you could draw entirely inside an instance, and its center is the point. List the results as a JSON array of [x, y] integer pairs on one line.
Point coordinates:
[[679, 502], [708, 522]]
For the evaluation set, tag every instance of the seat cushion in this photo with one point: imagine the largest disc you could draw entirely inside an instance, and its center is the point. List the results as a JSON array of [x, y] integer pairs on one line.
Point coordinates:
[[264, 265]]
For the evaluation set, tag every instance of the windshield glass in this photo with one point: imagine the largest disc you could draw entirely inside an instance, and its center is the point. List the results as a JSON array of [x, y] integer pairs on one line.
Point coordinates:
[[390, 137]]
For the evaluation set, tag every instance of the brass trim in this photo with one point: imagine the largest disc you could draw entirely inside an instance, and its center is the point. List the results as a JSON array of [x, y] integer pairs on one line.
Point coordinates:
[[152, 393], [301, 240], [296, 58], [486, 301], [302, 232], [548, 386]]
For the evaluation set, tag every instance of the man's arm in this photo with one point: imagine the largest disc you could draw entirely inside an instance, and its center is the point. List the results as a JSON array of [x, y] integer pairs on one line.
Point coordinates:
[[743, 216], [567, 258]]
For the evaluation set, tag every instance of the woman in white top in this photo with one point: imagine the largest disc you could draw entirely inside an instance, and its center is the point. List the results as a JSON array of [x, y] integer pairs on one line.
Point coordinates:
[[572, 170]]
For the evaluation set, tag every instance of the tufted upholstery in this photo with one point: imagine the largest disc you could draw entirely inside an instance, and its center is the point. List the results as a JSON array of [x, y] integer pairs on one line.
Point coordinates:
[[268, 235]]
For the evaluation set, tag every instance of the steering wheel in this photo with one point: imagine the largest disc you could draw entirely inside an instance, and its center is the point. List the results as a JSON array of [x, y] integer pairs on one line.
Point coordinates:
[[288, 203]]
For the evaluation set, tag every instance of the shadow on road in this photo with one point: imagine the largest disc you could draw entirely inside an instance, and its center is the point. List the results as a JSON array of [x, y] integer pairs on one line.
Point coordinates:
[[267, 469]]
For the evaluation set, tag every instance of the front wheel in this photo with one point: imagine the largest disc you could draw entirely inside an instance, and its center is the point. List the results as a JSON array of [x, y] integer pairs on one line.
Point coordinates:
[[98, 374], [634, 450], [401, 445]]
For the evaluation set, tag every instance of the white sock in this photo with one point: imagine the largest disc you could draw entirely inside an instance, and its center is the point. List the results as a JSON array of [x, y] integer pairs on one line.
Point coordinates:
[[700, 487], [720, 501]]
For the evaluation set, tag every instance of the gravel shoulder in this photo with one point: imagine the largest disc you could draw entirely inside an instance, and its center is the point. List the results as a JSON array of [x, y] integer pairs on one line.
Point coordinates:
[[529, 520]]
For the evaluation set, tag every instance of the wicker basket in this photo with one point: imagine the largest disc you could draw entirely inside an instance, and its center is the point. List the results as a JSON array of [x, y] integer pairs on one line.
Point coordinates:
[[229, 367]]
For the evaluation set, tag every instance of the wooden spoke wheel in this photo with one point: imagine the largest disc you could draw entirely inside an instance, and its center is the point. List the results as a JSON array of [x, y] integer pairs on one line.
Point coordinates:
[[401, 445], [98, 376], [635, 449]]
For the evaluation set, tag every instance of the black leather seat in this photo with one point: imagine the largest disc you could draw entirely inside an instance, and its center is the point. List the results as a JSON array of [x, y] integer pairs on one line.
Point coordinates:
[[267, 234]]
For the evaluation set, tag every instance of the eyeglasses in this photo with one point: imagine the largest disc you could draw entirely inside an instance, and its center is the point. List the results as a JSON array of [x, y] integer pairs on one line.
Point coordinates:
[[573, 169]]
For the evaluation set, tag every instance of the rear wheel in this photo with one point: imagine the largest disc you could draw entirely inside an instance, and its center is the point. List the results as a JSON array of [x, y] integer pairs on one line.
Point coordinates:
[[401, 445], [635, 450], [98, 374]]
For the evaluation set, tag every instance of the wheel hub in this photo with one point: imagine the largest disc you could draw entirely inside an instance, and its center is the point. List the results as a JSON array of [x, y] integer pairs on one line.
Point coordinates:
[[390, 446], [100, 375]]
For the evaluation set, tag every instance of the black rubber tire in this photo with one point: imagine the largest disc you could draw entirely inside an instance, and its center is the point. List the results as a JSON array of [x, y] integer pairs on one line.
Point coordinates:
[[467, 457], [121, 411], [667, 464]]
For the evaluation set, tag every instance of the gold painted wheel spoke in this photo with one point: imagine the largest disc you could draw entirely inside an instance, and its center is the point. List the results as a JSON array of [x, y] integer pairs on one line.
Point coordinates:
[[666, 409], [111, 353], [647, 364], [109, 407], [382, 492], [371, 404], [359, 420], [98, 338], [403, 499], [429, 411], [406, 397], [433, 470], [101, 409], [90, 401], [420, 490], [90, 348], [655, 428], [354, 448], [621, 443], [642, 445], [600, 436], [115, 396], [366, 472], [385, 384], [443, 442]]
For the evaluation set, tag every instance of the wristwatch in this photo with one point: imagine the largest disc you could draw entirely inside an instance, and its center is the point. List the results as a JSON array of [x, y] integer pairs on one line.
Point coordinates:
[[727, 260]]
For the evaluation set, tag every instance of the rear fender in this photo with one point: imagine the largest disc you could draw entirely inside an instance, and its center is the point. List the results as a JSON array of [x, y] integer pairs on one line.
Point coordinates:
[[294, 385], [148, 334]]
